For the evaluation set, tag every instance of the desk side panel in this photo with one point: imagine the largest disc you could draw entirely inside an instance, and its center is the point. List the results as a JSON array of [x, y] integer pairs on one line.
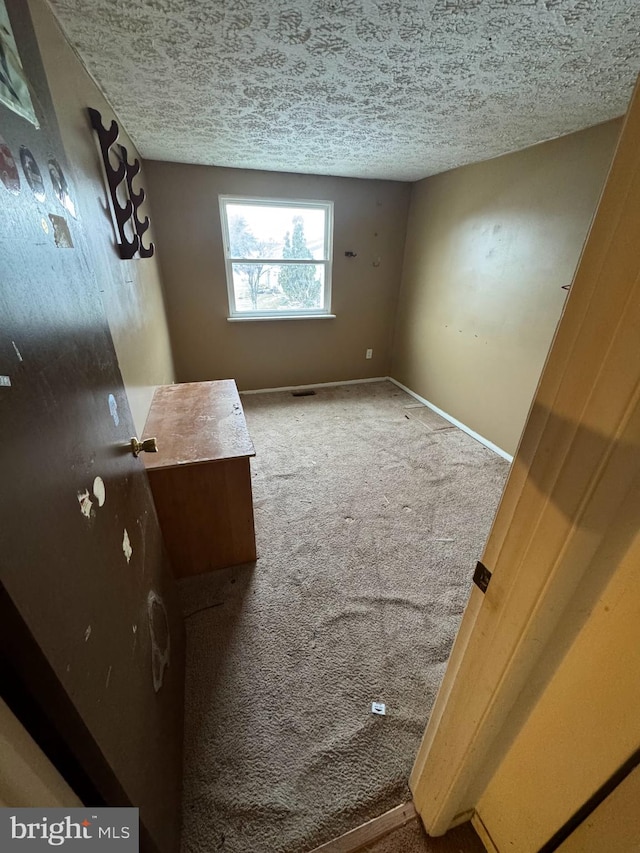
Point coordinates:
[[206, 515]]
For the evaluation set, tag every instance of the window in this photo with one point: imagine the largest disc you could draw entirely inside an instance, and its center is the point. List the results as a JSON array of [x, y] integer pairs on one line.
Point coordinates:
[[278, 256]]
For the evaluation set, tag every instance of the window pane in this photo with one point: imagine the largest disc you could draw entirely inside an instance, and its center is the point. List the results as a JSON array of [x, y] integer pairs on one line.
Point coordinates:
[[276, 231], [278, 287]]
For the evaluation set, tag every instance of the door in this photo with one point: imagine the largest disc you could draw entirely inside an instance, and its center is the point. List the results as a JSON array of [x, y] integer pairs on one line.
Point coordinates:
[[614, 825], [92, 646], [562, 531]]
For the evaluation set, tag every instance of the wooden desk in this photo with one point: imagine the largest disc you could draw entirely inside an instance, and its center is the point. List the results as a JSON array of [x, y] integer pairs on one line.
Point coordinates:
[[201, 477]]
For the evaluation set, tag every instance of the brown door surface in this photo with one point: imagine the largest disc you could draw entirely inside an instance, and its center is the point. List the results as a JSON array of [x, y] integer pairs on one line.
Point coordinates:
[[92, 646]]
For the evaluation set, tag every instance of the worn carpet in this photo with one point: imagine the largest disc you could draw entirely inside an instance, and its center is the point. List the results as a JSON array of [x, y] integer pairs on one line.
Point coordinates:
[[370, 514]]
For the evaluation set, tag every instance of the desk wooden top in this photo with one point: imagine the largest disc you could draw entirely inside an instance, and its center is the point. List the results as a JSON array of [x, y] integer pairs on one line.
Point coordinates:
[[197, 422]]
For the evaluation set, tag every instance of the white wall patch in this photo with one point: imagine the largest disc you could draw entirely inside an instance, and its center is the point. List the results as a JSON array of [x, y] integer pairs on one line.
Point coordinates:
[[6, 381], [87, 633], [99, 491], [113, 408], [85, 502], [126, 545], [18, 353]]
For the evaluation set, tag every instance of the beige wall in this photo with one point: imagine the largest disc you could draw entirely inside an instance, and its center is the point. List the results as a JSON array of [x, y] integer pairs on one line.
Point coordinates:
[[488, 249], [131, 290], [27, 777], [369, 219]]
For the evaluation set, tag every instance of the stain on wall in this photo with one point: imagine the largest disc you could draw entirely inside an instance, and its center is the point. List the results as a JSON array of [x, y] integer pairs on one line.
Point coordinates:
[[113, 409]]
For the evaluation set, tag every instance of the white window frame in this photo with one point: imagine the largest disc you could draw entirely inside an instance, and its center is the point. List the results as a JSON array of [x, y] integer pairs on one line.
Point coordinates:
[[327, 206]]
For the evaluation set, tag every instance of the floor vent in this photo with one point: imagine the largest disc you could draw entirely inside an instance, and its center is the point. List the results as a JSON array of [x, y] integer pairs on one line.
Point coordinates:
[[306, 392]]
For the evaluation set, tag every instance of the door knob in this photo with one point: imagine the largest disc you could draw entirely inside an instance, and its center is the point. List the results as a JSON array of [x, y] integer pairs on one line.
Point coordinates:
[[149, 445]]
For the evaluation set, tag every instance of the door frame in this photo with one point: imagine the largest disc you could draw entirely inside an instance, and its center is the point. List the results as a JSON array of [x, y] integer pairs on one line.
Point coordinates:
[[568, 476]]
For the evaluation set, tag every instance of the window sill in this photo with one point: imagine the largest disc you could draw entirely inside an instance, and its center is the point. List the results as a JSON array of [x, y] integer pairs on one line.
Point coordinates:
[[284, 317]]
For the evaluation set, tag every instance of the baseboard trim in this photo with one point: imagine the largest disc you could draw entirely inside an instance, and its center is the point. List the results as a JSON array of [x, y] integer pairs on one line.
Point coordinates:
[[371, 831], [454, 421], [483, 834], [315, 385]]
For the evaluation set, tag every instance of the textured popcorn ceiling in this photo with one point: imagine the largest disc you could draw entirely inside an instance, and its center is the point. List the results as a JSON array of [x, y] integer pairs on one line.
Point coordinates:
[[367, 88]]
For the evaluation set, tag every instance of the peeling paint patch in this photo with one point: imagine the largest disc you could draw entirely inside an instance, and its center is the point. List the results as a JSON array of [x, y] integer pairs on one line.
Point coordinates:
[[160, 639], [113, 408], [61, 233], [126, 545], [87, 633], [85, 502], [6, 381], [99, 491], [18, 353]]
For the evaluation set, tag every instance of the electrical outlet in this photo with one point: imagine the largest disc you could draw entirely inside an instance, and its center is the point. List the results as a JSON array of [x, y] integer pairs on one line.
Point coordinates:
[[369, 353]]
